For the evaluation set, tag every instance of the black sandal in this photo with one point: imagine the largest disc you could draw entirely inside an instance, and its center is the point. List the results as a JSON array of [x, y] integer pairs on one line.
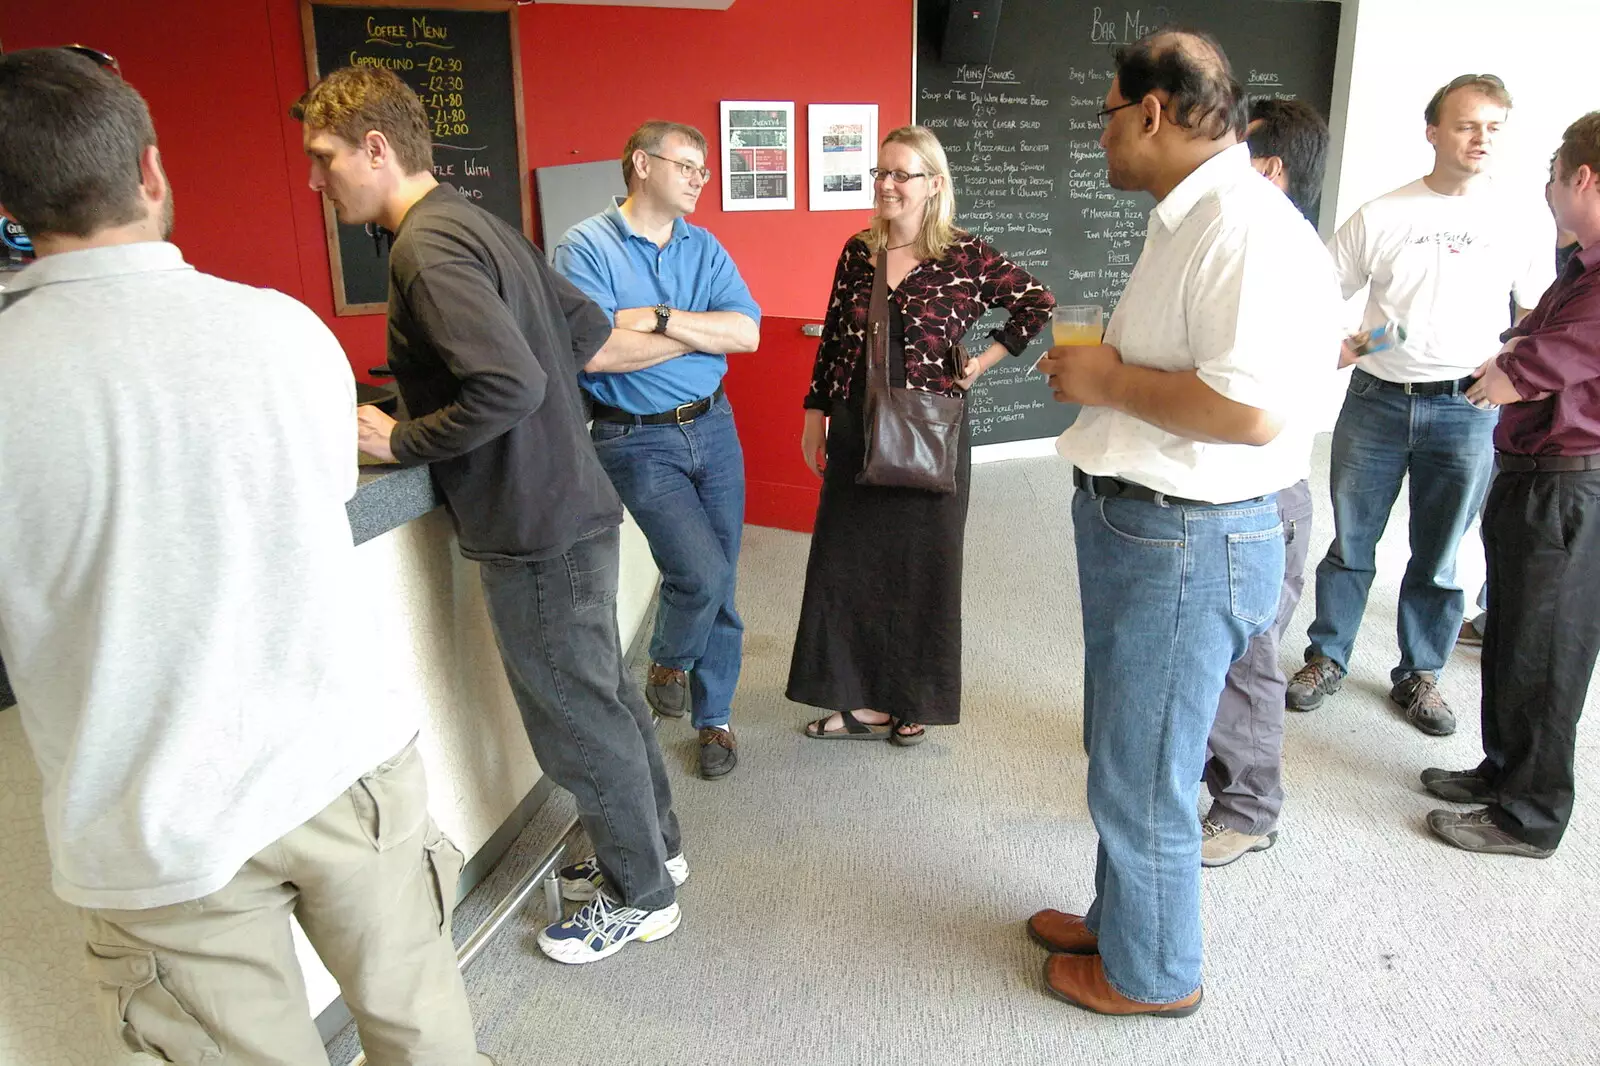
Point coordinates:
[[853, 729], [906, 740]]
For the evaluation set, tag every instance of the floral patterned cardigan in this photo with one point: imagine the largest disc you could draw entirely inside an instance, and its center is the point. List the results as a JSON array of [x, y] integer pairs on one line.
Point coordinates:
[[939, 300]]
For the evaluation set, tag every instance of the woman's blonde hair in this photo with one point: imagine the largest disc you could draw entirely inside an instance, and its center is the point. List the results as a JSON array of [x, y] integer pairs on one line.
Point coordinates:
[[938, 231]]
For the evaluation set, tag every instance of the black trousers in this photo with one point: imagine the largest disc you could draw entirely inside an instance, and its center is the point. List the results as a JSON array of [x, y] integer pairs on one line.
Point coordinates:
[[1542, 535]]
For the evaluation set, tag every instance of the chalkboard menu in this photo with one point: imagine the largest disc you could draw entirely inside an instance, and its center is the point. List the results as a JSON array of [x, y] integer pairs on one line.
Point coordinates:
[[1023, 140], [462, 59]]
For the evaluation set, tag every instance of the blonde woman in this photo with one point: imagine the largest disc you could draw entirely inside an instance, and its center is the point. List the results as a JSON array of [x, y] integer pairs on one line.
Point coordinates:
[[879, 642]]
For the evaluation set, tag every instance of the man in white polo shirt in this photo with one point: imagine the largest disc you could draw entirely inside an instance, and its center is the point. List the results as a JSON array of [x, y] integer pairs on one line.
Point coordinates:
[[1441, 256], [180, 617], [1231, 314]]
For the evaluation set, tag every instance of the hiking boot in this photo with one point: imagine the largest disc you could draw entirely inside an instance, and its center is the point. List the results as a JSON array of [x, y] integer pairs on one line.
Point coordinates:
[[1418, 695], [1457, 786], [1476, 831], [602, 927], [1318, 678], [719, 753], [1221, 844], [580, 881], [666, 690]]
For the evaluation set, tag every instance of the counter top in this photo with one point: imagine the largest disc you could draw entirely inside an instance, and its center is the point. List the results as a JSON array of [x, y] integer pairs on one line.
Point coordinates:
[[386, 498]]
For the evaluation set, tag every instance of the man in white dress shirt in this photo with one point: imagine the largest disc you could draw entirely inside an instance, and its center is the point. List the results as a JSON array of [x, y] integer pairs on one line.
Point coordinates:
[[1229, 316]]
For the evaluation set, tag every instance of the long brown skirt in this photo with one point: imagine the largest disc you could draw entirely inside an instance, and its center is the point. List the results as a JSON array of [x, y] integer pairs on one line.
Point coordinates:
[[880, 624]]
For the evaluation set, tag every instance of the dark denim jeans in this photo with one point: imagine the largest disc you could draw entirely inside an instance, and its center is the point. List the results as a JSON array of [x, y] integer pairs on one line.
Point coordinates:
[[1172, 595], [684, 485], [1446, 445], [555, 622]]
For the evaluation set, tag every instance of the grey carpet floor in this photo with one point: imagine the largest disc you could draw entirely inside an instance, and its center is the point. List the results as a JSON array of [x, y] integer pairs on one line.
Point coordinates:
[[859, 903]]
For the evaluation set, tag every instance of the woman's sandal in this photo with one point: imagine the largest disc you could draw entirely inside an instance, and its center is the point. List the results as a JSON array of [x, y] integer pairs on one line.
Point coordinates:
[[906, 740], [854, 729]]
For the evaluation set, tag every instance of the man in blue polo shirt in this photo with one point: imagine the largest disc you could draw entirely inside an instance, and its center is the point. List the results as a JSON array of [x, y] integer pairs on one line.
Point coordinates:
[[662, 427]]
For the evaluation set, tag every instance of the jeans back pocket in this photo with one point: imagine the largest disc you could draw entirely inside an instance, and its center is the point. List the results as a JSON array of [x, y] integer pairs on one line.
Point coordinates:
[[1255, 574]]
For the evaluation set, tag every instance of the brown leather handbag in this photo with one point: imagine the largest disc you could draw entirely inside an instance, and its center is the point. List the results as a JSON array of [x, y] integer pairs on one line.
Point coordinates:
[[913, 438]]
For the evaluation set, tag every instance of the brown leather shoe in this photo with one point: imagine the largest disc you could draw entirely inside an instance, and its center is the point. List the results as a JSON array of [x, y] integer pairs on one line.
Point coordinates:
[[1081, 981], [1063, 932]]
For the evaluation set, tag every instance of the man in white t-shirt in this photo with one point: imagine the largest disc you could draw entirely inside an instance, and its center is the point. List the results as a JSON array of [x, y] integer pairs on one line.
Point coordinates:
[[180, 618], [1440, 257], [1228, 318]]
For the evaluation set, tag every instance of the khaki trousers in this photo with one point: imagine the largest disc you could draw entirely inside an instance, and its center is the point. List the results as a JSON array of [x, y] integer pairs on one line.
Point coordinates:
[[215, 982]]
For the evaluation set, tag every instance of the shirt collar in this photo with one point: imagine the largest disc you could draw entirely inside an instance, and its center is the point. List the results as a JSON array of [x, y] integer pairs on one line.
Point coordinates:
[[91, 263], [680, 228], [1220, 170], [1589, 257]]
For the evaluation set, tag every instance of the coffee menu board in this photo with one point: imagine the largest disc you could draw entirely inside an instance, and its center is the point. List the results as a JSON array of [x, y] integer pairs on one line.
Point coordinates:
[[462, 60], [1022, 136]]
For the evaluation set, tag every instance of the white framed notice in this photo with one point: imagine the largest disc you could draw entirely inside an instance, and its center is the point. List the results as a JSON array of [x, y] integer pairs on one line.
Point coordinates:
[[758, 155], [843, 139]]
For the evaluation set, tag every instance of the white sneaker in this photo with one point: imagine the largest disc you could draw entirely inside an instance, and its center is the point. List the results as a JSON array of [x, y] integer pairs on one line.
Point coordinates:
[[581, 880], [602, 927]]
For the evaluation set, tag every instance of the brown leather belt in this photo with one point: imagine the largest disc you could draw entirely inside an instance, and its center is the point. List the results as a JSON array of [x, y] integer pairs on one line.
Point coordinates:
[[679, 415], [1525, 464]]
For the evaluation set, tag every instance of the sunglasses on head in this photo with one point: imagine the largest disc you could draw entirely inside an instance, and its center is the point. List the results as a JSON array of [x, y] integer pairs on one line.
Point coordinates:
[[104, 59]]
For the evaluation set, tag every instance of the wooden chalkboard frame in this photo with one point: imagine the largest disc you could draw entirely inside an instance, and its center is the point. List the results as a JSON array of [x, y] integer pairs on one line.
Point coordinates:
[[330, 221]]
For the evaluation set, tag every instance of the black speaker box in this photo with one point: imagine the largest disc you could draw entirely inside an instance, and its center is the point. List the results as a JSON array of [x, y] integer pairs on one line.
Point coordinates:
[[969, 31]]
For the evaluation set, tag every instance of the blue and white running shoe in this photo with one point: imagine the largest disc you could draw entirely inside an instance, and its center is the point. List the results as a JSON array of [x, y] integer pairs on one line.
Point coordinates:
[[581, 880], [602, 926]]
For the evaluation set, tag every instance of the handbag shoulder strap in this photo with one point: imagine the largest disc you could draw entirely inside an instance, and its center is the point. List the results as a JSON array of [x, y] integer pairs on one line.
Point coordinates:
[[878, 327]]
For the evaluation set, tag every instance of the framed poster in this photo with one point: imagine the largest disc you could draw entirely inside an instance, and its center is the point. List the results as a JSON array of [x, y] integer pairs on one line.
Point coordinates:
[[757, 155], [843, 139]]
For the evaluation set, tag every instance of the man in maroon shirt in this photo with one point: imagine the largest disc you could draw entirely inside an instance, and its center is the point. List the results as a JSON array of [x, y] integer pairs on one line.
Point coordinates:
[[1542, 536]]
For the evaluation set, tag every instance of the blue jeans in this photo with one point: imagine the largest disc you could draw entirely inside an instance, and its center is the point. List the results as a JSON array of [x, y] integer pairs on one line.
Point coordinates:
[[1172, 596], [684, 485], [1446, 445]]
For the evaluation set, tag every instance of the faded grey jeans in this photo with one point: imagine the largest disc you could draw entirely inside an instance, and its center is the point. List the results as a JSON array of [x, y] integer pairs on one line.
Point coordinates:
[[555, 621]]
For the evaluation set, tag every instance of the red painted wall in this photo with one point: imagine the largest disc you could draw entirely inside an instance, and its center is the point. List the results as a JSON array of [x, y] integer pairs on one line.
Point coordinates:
[[219, 78]]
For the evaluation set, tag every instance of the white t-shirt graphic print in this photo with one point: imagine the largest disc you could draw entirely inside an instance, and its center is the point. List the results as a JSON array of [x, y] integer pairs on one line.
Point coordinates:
[[1445, 268]]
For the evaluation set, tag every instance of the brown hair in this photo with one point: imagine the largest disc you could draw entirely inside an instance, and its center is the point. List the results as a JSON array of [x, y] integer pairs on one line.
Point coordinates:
[[649, 138], [354, 101], [69, 144], [1487, 84], [1580, 146]]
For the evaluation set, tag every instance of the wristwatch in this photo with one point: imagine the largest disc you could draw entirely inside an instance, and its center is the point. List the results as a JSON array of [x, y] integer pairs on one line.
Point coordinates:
[[663, 312]]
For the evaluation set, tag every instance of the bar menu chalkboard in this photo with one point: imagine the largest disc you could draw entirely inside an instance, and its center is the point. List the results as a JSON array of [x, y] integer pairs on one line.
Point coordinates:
[[1022, 137], [463, 61]]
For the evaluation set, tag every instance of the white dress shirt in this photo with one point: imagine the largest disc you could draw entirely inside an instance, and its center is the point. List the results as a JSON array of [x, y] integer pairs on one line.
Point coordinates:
[[1233, 283]]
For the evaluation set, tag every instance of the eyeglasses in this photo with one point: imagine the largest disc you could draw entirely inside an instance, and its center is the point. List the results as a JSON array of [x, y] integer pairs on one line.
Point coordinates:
[[900, 176], [104, 59], [1105, 113], [688, 170]]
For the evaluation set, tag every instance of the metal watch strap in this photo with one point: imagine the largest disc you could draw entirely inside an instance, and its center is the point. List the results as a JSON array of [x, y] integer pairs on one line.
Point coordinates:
[[663, 312]]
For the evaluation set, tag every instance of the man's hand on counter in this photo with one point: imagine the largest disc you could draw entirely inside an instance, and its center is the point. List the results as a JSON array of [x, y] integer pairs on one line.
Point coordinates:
[[372, 433]]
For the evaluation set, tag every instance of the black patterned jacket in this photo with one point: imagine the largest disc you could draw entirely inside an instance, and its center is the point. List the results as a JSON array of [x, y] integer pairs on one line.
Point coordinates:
[[939, 299]]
